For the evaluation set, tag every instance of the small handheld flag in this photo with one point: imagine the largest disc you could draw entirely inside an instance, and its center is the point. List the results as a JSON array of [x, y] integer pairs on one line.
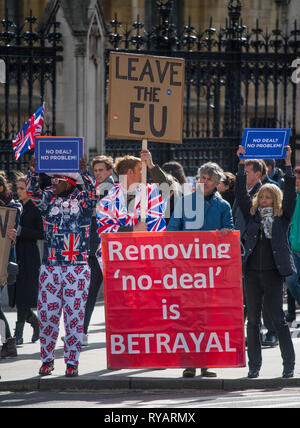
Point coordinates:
[[24, 141]]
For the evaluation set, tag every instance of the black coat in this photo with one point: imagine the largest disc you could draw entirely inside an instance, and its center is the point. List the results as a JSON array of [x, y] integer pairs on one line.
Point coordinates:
[[239, 220], [28, 256], [280, 231]]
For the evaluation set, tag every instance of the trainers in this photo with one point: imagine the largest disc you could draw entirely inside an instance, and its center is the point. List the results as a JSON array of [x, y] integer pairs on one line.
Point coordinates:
[[46, 369], [189, 373], [207, 373], [71, 371]]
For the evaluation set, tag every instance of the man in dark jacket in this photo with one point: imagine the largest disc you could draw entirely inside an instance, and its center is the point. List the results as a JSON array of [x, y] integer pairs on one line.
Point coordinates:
[[216, 216], [253, 170]]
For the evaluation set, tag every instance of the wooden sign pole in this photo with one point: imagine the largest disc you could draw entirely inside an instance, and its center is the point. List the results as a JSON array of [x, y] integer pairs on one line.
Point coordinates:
[[144, 185]]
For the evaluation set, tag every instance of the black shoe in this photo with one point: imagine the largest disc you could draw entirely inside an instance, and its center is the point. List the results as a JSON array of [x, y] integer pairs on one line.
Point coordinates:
[[287, 374], [33, 321], [253, 374], [189, 373], [270, 340], [19, 333], [290, 317]]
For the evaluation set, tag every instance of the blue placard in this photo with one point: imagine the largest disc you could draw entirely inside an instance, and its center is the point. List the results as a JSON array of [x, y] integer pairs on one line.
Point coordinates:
[[265, 143], [58, 154]]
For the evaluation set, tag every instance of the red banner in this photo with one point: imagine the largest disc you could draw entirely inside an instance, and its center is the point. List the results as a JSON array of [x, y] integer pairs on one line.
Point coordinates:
[[173, 299]]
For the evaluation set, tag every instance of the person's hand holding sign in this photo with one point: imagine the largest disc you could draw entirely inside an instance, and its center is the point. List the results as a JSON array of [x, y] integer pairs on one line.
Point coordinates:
[[241, 151], [147, 157], [140, 227], [82, 165], [32, 164], [12, 234], [288, 156]]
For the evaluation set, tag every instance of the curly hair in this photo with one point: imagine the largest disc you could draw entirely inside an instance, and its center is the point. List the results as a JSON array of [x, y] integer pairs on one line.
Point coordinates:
[[276, 195]]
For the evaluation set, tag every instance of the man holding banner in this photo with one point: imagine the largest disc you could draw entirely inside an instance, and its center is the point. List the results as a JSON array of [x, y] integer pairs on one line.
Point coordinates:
[[64, 274], [120, 210]]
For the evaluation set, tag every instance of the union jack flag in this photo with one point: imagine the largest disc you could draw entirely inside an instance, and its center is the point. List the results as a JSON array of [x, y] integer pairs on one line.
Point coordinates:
[[24, 141], [69, 292], [112, 211], [51, 288], [54, 319], [71, 244], [77, 304], [81, 284], [53, 306]]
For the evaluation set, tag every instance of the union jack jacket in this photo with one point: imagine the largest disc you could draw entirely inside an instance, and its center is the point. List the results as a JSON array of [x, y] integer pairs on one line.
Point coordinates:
[[66, 221]]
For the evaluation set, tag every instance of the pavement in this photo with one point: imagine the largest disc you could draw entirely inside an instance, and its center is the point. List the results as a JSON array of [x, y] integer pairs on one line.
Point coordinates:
[[21, 373]]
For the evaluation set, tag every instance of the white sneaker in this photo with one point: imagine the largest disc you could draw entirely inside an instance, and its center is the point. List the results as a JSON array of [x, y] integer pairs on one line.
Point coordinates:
[[85, 341]]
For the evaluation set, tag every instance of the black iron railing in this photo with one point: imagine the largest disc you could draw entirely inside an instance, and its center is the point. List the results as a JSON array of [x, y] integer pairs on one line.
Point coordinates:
[[30, 53], [235, 78]]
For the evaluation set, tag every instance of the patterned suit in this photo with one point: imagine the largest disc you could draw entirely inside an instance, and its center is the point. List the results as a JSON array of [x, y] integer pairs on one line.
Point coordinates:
[[64, 274]]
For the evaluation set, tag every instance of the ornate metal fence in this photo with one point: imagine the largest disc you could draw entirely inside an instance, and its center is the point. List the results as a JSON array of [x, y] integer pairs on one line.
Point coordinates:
[[30, 53], [235, 78]]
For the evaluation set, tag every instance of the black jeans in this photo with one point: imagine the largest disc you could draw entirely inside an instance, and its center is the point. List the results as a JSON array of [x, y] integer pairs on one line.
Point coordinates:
[[95, 284], [266, 287]]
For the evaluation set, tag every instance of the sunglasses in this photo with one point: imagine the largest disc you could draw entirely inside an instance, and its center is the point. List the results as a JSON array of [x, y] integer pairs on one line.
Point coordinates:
[[56, 180]]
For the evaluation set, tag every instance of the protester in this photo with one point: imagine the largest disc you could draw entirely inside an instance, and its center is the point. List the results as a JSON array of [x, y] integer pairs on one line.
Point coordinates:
[[6, 200], [274, 172], [120, 210], [292, 281], [265, 178], [217, 216], [226, 187], [176, 170], [64, 273], [253, 170], [102, 169], [267, 259], [30, 230]]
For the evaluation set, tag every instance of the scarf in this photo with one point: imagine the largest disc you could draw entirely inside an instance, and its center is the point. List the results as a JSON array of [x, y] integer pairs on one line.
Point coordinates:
[[267, 219]]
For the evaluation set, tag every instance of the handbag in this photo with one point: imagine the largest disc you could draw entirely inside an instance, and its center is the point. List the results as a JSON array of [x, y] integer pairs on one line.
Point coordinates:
[[12, 272]]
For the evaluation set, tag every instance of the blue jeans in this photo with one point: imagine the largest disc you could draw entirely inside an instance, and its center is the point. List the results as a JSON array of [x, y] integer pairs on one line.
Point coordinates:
[[292, 281]]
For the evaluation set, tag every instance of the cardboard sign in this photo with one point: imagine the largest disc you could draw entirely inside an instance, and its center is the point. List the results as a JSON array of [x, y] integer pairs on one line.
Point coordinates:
[[146, 97], [173, 299], [265, 143], [58, 154], [7, 221]]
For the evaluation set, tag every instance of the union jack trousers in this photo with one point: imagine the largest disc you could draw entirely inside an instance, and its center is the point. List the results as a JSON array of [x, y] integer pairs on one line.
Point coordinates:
[[62, 288]]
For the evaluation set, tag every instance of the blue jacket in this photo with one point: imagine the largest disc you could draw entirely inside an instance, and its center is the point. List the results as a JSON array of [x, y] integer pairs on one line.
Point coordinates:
[[216, 215]]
